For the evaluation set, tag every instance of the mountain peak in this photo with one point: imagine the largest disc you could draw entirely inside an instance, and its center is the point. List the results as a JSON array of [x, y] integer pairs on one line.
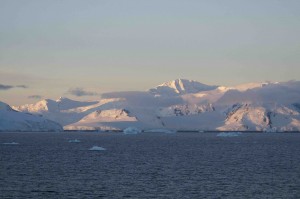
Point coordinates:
[[180, 82], [62, 99], [4, 106], [180, 86]]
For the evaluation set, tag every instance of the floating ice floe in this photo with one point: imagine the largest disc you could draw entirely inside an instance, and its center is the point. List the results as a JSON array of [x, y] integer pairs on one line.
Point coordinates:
[[229, 134], [97, 148], [74, 141], [159, 131], [271, 130], [11, 143], [131, 130]]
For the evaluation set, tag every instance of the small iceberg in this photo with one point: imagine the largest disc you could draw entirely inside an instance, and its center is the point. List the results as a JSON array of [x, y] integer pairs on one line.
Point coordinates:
[[131, 130], [159, 131], [229, 134], [11, 143], [97, 148], [271, 130], [74, 141]]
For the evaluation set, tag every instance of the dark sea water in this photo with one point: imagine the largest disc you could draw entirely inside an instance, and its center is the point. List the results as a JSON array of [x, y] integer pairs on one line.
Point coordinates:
[[182, 165]]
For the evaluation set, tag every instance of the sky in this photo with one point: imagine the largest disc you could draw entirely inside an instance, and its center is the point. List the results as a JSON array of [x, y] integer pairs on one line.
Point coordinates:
[[82, 48]]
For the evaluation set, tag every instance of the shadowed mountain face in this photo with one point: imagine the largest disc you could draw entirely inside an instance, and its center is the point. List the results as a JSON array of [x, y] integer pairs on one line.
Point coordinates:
[[183, 105], [11, 120]]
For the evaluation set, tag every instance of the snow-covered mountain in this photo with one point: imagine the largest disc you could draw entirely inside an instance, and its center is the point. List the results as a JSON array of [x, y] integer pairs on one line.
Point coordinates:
[[243, 117], [183, 105], [12, 120], [64, 111], [179, 87], [98, 120]]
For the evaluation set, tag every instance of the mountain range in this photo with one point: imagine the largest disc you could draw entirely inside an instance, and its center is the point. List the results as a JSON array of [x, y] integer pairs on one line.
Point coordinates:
[[176, 105]]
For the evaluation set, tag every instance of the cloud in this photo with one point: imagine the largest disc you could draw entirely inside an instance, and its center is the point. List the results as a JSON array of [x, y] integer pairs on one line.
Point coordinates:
[[7, 87], [142, 98], [35, 97], [22, 86], [79, 92]]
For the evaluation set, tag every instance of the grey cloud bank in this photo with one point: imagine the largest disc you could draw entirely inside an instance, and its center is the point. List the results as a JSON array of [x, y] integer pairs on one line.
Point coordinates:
[[79, 92], [7, 87]]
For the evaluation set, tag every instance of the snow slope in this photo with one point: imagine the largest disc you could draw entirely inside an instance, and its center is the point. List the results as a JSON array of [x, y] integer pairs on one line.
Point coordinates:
[[245, 117], [11, 120], [65, 111], [99, 119]]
